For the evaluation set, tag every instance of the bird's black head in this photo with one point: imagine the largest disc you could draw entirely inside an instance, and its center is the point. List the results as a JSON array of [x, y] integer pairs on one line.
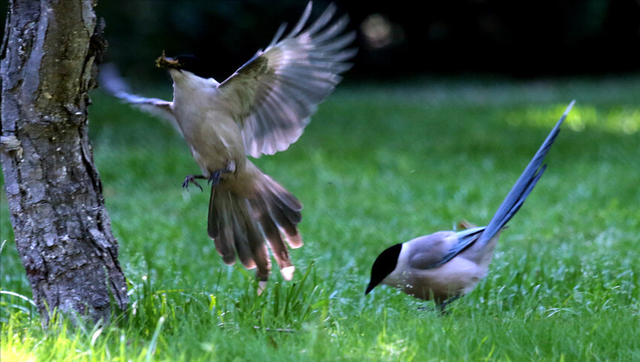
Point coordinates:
[[188, 62], [383, 266]]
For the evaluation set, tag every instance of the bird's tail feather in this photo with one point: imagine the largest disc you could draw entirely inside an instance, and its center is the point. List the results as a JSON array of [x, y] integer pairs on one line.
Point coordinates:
[[239, 226], [523, 187]]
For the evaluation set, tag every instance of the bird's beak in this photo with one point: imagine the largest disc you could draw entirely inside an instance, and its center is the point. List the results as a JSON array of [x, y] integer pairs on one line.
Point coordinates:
[[369, 288], [167, 63]]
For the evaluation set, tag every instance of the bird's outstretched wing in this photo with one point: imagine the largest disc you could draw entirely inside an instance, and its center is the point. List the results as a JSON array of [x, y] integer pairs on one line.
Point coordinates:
[[273, 95], [113, 83]]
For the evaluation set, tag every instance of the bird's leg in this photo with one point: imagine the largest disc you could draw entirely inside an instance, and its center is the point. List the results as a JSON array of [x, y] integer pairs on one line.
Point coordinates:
[[442, 307], [191, 179], [231, 167], [214, 178], [444, 304]]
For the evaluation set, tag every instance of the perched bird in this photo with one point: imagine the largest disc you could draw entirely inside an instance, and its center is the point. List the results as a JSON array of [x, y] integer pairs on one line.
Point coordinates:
[[446, 265], [260, 109]]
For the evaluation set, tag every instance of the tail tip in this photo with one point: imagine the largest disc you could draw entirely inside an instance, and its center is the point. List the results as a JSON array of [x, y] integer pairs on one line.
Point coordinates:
[[287, 272], [566, 112]]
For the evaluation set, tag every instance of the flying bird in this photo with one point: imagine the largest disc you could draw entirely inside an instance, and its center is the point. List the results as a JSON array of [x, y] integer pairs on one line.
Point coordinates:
[[262, 108], [446, 265]]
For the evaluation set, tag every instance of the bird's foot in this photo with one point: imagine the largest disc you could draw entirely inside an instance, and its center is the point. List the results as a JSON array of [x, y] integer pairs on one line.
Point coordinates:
[[443, 305], [214, 179], [439, 307], [216, 176], [191, 179], [444, 312]]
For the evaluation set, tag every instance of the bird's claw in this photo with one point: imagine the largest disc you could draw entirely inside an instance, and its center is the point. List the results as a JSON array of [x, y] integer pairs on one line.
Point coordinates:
[[214, 179], [191, 179], [216, 175]]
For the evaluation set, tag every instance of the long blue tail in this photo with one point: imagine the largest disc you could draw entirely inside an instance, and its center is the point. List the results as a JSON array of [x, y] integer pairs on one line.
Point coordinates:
[[530, 176]]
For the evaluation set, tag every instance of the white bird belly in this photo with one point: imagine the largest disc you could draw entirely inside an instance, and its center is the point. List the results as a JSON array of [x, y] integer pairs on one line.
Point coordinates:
[[214, 139], [213, 136], [457, 277]]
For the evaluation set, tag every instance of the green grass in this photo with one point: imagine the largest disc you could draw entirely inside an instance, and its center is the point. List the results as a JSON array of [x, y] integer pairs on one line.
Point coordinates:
[[378, 165]]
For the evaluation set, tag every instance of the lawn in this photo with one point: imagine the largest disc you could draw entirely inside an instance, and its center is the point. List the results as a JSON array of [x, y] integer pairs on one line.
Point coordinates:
[[379, 164]]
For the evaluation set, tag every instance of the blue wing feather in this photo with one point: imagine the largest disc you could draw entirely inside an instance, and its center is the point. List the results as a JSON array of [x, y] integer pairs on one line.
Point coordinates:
[[512, 202], [523, 187]]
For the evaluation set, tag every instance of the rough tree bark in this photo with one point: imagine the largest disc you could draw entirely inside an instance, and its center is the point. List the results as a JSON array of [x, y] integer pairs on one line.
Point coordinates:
[[62, 230]]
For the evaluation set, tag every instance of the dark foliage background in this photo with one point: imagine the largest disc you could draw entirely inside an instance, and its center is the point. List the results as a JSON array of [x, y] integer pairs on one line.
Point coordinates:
[[397, 38]]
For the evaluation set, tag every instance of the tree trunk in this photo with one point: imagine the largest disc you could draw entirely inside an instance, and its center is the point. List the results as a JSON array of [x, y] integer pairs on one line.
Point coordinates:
[[62, 230]]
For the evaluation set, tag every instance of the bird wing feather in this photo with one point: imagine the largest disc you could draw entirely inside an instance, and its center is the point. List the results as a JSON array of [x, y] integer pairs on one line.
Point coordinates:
[[523, 187], [432, 251], [273, 95], [114, 84]]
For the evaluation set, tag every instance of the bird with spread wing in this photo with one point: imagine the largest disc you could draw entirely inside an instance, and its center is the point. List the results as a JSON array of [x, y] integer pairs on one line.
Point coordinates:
[[260, 109]]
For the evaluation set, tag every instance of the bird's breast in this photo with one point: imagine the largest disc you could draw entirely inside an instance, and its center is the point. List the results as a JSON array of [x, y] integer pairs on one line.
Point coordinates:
[[214, 138], [457, 277]]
